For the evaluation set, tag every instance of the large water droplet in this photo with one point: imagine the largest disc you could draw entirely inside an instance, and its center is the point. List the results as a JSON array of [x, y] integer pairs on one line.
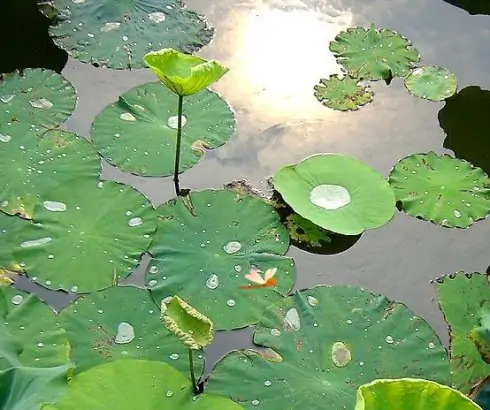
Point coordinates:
[[230, 302], [312, 301], [41, 103], [54, 206], [330, 196], [135, 221], [232, 247], [154, 269], [267, 383], [36, 242], [17, 299], [213, 281], [457, 214], [5, 138], [431, 345], [110, 26], [173, 121], [157, 16], [174, 356], [169, 393], [389, 340], [341, 355], [6, 98], [127, 116], [152, 283], [125, 333], [292, 319], [255, 402]]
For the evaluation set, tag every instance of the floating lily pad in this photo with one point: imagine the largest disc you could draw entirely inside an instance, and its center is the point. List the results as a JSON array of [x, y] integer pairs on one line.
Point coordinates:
[[138, 133], [374, 54], [411, 394], [323, 343], [86, 236], [38, 96], [460, 299], [136, 384], [431, 82], [336, 192], [33, 161], [441, 189], [32, 326], [121, 323], [343, 94], [10, 228], [204, 245], [28, 388], [119, 34]]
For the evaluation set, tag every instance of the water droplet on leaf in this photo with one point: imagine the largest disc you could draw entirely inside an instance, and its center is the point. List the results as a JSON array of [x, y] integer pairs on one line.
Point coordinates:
[[230, 302], [329, 196], [135, 221], [312, 301], [17, 299], [232, 247], [292, 319], [341, 355], [125, 333], [41, 103], [54, 206], [213, 281], [173, 121]]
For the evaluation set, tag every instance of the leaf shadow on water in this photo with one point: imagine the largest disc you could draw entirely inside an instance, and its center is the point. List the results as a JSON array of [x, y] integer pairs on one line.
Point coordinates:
[[26, 41], [472, 6], [466, 122]]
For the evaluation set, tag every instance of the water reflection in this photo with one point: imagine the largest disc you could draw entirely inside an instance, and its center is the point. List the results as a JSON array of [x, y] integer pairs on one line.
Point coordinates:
[[466, 123]]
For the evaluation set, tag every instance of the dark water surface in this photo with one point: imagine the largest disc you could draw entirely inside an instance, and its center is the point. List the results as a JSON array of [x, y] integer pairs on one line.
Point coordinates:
[[277, 51]]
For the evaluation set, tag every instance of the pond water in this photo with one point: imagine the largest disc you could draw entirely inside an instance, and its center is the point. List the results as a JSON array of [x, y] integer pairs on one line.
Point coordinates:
[[277, 51]]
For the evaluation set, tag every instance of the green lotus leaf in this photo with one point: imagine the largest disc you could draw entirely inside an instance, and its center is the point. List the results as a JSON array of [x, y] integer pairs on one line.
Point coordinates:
[[460, 298], [120, 323], [480, 334], [192, 328], [480, 393], [441, 189], [118, 34], [11, 228], [30, 333], [343, 94], [323, 344], [411, 394], [86, 236], [33, 162], [204, 245], [374, 54], [306, 232], [184, 74], [336, 192], [138, 133], [28, 388], [431, 82], [38, 96], [136, 384]]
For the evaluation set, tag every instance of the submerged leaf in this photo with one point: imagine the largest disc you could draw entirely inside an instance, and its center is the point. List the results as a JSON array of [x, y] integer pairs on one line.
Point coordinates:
[[434, 83], [192, 328], [342, 93], [184, 74], [330, 340], [410, 394], [374, 54], [441, 189], [460, 298]]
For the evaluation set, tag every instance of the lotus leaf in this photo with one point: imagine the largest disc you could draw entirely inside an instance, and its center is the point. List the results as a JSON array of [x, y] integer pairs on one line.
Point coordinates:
[[27, 388], [343, 94], [136, 384], [33, 162], [11, 227], [411, 394], [441, 189], [374, 54], [41, 97], [119, 34], [184, 74], [336, 192], [480, 334], [303, 231], [120, 323], [138, 133], [204, 245], [86, 236], [431, 82], [460, 299], [323, 343], [30, 332]]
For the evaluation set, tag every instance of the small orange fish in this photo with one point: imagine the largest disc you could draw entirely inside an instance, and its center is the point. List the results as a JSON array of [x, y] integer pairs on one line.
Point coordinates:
[[262, 282]]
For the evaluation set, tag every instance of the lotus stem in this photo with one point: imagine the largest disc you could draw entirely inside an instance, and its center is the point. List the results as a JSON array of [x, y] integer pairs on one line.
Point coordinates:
[[195, 387], [177, 148]]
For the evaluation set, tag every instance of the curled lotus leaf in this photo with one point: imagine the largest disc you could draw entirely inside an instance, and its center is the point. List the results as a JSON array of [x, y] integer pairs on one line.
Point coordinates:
[[192, 328], [374, 54], [323, 343], [461, 297], [343, 94], [411, 394], [441, 189], [37, 96], [431, 82], [118, 34]]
